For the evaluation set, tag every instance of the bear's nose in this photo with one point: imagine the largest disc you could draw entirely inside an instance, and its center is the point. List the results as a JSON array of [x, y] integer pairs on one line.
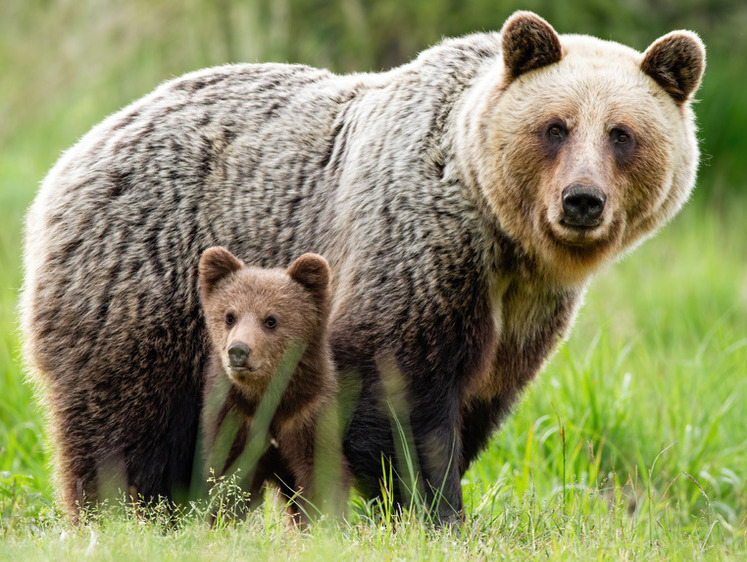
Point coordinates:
[[238, 353], [582, 205]]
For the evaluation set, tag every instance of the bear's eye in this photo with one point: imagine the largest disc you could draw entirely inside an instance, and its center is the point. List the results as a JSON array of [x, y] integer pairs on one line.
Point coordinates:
[[620, 136], [230, 319], [623, 144], [270, 322], [556, 131]]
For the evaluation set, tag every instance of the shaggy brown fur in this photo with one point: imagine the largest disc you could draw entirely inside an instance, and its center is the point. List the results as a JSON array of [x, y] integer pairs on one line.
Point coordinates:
[[254, 317]]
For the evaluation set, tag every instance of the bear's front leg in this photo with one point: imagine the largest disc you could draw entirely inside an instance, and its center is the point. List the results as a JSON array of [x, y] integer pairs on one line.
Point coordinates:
[[404, 442], [297, 446], [437, 436]]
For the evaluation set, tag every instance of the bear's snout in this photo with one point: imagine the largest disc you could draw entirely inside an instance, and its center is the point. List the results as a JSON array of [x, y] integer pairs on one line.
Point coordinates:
[[238, 353], [582, 205]]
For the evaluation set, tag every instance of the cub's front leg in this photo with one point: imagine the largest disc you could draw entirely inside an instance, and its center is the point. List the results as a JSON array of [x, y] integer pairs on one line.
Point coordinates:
[[312, 453]]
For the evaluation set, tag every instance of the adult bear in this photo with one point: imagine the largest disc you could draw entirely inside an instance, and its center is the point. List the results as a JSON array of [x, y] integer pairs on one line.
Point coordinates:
[[462, 201]]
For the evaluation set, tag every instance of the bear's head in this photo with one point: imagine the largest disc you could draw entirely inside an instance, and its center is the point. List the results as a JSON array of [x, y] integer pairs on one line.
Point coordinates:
[[582, 147], [254, 315]]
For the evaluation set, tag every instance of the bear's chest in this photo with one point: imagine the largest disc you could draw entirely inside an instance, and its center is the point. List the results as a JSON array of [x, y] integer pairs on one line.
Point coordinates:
[[528, 322]]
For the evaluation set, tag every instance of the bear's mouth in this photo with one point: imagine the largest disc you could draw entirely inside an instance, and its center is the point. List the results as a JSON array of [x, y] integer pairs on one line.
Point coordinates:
[[242, 369], [582, 240], [241, 374], [580, 227], [576, 234]]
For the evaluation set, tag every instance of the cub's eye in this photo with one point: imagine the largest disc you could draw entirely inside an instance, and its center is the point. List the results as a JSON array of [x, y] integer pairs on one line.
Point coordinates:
[[230, 319], [620, 136], [270, 322]]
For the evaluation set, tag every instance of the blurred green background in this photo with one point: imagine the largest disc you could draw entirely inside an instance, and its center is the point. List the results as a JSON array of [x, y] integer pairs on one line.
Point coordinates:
[[658, 356]]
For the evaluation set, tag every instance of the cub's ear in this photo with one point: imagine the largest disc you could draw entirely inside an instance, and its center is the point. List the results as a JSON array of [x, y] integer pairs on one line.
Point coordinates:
[[215, 264], [528, 42], [311, 271], [676, 61]]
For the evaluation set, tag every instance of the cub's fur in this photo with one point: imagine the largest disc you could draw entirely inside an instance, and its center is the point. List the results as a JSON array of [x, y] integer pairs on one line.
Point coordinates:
[[268, 335], [463, 201]]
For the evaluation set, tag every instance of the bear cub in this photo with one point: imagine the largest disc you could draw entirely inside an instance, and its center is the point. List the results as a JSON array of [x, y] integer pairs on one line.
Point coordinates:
[[270, 385]]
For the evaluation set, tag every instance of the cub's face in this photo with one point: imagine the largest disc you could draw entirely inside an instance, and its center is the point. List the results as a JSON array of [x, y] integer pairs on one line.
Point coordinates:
[[254, 315], [586, 146]]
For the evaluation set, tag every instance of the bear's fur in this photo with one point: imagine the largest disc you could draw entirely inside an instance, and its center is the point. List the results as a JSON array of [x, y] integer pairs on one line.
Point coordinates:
[[254, 318], [462, 200]]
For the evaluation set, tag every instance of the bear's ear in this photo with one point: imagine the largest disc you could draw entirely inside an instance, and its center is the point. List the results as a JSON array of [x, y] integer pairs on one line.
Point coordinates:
[[215, 264], [676, 62], [311, 271], [528, 42]]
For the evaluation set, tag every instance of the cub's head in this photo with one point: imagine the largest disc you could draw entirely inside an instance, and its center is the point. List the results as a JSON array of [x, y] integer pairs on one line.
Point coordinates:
[[582, 147], [254, 315]]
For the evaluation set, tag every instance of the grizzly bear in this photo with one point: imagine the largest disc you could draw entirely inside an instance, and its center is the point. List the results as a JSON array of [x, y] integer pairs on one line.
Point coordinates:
[[463, 201], [269, 345]]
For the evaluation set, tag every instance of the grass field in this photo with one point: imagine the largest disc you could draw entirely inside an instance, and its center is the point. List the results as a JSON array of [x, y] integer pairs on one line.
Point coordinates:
[[631, 443]]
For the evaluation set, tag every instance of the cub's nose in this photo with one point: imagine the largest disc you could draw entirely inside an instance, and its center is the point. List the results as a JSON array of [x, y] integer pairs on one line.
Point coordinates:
[[582, 205], [238, 353]]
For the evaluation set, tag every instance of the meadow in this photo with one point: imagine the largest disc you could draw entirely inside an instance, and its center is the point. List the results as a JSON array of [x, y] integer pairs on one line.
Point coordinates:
[[631, 443]]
